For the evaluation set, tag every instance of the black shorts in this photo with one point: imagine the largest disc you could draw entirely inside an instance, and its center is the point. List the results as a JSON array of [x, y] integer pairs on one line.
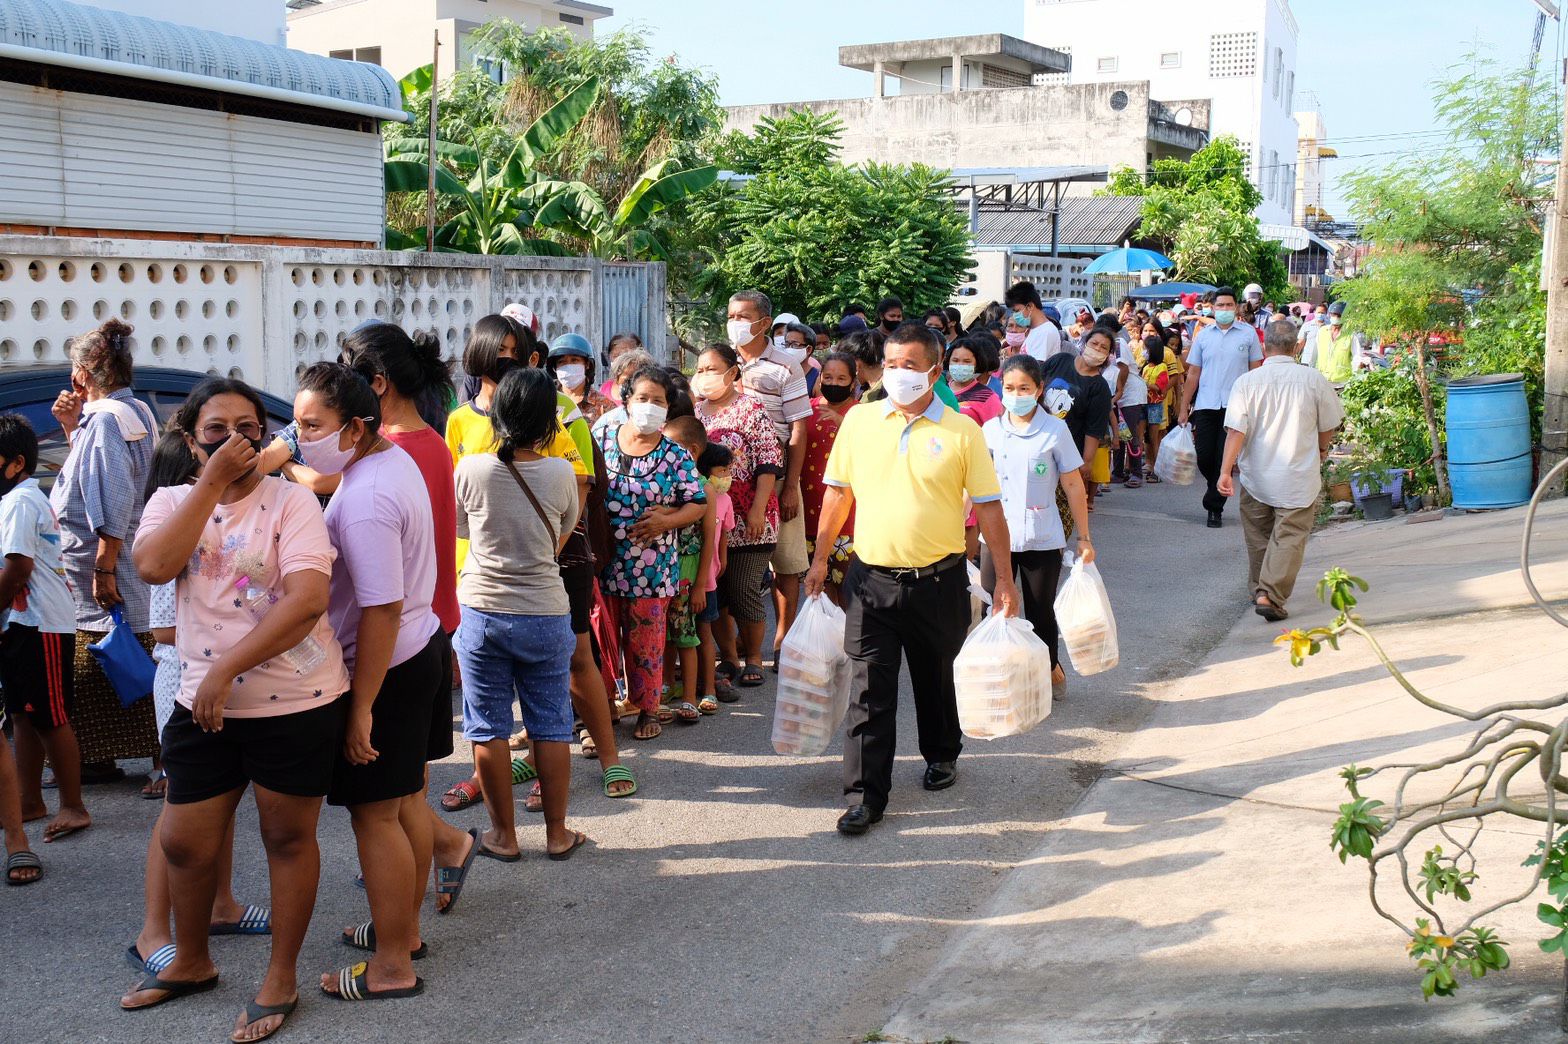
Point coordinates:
[[578, 580], [37, 671], [290, 754], [410, 724]]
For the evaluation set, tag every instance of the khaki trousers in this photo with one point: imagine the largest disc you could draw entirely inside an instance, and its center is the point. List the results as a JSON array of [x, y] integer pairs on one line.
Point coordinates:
[[1276, 543]]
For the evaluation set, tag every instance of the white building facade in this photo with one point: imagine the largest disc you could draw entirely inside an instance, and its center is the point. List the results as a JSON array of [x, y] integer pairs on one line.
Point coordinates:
[[397, 34], [1240, 54], [1312, 150]]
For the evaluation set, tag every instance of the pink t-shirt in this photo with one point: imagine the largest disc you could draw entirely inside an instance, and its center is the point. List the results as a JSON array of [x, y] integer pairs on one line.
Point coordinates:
[[275, 531], [723, 522]]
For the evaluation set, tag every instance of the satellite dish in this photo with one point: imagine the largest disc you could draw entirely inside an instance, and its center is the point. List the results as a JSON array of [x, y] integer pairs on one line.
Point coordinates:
[[1184, 116]]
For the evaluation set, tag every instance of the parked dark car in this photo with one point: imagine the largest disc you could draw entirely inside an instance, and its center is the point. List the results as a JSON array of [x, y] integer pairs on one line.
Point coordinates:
[[31, 391]]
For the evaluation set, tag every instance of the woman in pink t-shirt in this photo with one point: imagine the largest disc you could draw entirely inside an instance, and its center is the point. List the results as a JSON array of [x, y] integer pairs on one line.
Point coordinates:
[[260, 698]]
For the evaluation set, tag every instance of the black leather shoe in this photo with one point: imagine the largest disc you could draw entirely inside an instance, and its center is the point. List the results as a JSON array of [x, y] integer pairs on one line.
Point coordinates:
[[1214, 520], [858, 820], [940, 775]]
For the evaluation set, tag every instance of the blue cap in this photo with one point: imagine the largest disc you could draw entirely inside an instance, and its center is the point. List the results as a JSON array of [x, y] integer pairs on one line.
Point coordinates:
[[850, 324], [1051, 313]]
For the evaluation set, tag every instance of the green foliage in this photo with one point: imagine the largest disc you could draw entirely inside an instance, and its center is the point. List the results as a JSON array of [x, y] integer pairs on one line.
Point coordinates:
[[1442, 876], [817, 234], [1465, 220], [645, 133], [1384, 420], [1357, 827], [1200, 211], [1440, 957], [1554, 871]]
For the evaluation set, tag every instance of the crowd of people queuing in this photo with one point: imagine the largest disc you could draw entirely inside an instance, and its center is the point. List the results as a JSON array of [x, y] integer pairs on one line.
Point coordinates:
[[593, 535]]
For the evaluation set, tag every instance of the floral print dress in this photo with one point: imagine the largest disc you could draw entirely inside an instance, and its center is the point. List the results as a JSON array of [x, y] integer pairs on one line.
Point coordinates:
[[742, 426], [664, 477]]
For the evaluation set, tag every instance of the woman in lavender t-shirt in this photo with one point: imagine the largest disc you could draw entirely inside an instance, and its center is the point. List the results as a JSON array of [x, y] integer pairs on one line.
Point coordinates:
[[399, 662]]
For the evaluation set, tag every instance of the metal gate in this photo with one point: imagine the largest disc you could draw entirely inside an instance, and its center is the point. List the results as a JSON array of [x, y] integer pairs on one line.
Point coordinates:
[[625, 295]]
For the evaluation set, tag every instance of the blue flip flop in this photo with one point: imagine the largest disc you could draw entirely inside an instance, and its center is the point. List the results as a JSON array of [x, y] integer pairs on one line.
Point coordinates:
[[450, 879], [160, 958], [257, 920]]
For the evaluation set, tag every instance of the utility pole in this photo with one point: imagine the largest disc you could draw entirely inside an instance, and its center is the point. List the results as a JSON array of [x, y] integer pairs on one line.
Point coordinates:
[[430, 184], [1554, 424]]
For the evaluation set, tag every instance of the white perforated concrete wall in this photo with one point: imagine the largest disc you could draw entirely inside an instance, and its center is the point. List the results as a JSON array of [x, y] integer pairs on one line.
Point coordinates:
[[262, 313]]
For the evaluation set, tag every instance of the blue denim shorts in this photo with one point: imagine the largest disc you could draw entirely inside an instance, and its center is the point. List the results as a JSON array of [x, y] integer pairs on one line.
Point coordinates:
[[503, 655], [710, 609]]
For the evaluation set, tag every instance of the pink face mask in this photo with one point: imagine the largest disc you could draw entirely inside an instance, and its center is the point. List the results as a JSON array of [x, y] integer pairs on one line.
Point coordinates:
[[1014, 338]]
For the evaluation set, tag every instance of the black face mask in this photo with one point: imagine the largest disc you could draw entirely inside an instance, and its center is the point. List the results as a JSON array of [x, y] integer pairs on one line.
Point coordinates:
[[891, 324], [210, 448], [837, 393], [502, 367]]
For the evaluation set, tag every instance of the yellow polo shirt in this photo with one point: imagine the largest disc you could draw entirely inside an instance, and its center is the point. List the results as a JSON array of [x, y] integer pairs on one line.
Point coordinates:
[[909, 480]]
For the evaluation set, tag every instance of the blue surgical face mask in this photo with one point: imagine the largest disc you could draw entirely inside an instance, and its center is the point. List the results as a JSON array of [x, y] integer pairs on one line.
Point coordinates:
[[1020, 319], [961, 373], [1205, 312], [1019, 405], [1225, 316]]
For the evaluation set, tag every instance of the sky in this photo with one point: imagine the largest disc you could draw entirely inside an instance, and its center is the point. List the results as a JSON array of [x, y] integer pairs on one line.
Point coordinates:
[[1370, 63]]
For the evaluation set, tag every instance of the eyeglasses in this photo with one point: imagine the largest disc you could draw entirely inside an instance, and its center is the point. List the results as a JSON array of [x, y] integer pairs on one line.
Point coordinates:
[[220, 432]]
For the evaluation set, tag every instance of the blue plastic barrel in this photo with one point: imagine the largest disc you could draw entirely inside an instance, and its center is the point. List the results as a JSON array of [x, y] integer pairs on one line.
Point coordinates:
[[1489, 453]]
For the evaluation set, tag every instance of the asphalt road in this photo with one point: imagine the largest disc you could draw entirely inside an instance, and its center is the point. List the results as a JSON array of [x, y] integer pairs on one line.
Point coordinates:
[[718, 904]]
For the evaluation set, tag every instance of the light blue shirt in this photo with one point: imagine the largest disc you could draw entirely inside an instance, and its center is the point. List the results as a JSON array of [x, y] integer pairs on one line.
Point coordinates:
[[1223, 355], [1029, 463], [28, 528]]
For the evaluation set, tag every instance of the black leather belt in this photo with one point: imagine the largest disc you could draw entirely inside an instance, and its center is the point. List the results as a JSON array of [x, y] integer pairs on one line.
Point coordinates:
[[907, 573]]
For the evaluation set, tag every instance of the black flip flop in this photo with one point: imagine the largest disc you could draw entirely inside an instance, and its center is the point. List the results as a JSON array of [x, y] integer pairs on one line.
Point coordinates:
[[750, 676], [174, 990], [24, 860], [500, 857], [450, 879], [565, 854], [354, 985], [255, 1012], [363, 937]]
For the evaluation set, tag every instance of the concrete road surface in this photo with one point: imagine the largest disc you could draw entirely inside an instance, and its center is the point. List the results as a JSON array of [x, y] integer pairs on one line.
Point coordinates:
[[718, 904]]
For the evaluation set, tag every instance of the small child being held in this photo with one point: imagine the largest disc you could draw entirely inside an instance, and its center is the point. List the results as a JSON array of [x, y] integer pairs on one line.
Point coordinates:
[[38, 646], [714, 466]]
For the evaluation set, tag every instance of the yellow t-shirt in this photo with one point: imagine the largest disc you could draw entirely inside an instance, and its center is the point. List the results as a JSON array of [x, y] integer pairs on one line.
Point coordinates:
[[909, 481], [468, 431]]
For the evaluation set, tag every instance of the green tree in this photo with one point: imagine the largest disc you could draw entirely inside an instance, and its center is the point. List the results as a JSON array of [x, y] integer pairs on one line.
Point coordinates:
[[1455, 239], [816, 234], [1200, 211]]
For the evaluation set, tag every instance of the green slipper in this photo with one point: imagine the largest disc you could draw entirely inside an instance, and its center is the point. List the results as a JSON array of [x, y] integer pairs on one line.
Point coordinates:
[[619, 774], [522, 772]]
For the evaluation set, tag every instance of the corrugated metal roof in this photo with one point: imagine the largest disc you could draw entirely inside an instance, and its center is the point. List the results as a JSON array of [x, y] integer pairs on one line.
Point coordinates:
[[56, 32], [1084, 221]]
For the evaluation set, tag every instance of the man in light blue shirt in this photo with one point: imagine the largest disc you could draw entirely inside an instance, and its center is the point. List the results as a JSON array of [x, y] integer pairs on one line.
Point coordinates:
[[1220, 354]]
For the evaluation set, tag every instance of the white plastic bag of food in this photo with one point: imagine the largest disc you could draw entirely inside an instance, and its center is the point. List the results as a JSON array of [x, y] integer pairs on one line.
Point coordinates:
[[1085, 620], [814, 680], [1003, 679], [1178, 459]]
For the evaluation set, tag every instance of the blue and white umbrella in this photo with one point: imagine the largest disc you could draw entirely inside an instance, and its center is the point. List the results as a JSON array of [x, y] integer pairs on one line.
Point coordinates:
[[1126, 260]]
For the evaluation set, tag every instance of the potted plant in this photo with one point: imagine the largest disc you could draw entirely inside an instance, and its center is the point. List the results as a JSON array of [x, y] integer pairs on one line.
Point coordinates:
[[1337, 472], [1376, 486]]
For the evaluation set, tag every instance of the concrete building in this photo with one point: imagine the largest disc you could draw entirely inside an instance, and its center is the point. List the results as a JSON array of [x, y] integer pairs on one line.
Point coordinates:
[[1240, 54], [1310, 176], [262, 22], [396, 34], [969, 101]]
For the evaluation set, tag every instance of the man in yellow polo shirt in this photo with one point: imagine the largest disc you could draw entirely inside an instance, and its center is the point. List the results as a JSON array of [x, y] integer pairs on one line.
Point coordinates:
[[906, 464]]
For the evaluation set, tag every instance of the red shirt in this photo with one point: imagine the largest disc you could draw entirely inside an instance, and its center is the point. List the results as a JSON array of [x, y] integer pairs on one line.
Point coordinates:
[[430, 452], [821, 429]]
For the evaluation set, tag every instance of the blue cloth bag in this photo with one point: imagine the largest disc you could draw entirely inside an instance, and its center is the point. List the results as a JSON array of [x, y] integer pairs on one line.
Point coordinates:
[[125, 663]]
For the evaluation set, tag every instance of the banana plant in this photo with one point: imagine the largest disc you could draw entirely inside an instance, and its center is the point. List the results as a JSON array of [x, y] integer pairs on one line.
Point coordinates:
[[578, 211], [496, 205]]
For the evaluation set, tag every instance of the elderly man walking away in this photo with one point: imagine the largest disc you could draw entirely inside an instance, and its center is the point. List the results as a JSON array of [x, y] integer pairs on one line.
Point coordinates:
[[907, 463], [1220, 354], [1279, 426]]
